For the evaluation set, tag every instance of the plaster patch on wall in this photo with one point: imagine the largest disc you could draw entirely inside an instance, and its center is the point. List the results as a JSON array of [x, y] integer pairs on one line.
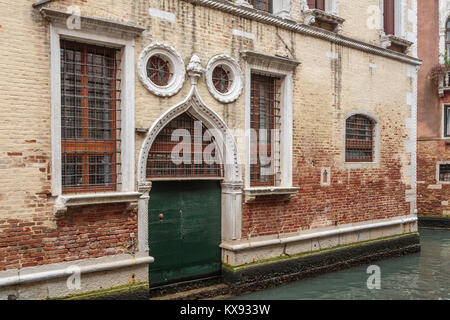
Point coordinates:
[[373, 66], [332, 55], [243, 34], [169, 16]]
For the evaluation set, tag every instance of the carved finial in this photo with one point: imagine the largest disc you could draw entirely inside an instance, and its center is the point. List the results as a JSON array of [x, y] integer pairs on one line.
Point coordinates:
[[195, 69]]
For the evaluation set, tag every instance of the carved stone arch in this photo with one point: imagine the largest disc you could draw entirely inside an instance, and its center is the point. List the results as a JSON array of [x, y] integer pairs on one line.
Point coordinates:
[[197, 108], [231, 185]]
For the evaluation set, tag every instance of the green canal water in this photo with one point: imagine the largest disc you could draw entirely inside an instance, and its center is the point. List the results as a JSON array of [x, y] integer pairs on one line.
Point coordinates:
[[424, 275]]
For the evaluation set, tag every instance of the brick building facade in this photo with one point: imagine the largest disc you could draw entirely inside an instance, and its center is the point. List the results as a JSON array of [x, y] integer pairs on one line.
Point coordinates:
[[433, 145], [92, 91]]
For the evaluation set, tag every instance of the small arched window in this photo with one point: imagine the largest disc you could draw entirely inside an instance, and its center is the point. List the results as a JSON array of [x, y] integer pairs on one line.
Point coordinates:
[[359, 139]]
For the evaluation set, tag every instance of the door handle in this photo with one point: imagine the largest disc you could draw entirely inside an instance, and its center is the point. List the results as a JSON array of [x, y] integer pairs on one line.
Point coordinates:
[[161, 217]]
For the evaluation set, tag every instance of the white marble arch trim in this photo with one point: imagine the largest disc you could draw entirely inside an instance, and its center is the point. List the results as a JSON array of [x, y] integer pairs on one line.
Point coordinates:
[[232, 183]]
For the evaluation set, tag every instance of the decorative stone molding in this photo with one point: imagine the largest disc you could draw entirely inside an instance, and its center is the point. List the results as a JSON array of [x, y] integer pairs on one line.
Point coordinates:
[[97, 25], [195, 69], [252, 193], [232, 65], [63, 202], [265, 61], [317, 17], [175, 63], [263, 17], [391, 41]]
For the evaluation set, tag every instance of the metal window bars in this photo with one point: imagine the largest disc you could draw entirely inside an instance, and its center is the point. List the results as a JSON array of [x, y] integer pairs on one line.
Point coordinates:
[[191, 159], [444, 172], [90, 117], [221, 79], [359, 139], [158, 70], [265, 123]]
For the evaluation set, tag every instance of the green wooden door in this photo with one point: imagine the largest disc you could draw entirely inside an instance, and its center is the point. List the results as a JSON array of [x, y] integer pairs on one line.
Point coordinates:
[[184, 230]]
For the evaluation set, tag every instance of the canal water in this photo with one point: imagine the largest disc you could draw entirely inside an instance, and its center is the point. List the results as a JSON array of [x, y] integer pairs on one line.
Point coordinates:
[[424, 275]]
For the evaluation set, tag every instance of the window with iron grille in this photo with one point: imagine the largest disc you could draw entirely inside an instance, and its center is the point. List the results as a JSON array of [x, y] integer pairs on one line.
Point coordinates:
[[359, 146], [316, 4], [90, 117], [444, 172], [264, 122], [265, 5], [447, 121], [160, 164]]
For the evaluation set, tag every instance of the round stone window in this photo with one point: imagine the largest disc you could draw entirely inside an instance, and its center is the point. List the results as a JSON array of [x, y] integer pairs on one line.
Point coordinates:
[[224, 78], [161, 69]]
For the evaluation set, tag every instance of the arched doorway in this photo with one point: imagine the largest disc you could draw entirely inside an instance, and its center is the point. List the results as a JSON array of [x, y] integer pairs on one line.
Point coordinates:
[[184, 210], [212, 194]]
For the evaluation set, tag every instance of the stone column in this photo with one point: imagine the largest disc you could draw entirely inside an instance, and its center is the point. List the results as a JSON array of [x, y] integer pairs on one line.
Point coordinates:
[[144, 188], [231, 211]]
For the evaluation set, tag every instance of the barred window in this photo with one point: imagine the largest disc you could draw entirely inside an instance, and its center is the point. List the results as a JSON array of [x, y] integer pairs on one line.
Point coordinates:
[[316, 4], [90, 113], [444, 172], [264, 121], [359, 146], [200, 163], [265, 5]]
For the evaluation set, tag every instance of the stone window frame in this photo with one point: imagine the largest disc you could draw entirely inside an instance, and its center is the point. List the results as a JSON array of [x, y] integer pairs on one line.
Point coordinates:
[[116, 39], [438, 169], [282, 68], [376, 141]]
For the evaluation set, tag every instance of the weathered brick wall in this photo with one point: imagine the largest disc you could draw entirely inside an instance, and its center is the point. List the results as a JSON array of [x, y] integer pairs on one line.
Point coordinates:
[[432, 198], [325, 90], [88, 232]]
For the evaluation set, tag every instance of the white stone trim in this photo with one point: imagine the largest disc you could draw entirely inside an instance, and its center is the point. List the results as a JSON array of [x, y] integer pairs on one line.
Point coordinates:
[[443, 121], [176, 63], [411, 144], [127, 121], [282, 8], [164, 15], [444, 15], [283, 68], [235, 89], [438, 164], [251, 14], [58, 270], [62, 202], [376, 141]]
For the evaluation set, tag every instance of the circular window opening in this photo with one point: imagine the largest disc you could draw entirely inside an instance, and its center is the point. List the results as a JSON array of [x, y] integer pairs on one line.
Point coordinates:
[[159, 70], [221, 79]]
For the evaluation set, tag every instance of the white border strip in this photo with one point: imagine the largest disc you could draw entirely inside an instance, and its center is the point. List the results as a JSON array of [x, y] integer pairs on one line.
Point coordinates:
[[321, 234], [64, 272]]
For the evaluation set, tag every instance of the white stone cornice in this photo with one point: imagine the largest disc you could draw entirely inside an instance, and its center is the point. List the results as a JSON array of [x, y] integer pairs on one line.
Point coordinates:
[[59, 17], [271, 19]]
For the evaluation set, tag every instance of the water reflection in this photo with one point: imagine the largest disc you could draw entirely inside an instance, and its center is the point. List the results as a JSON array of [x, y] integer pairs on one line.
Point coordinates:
[[425, 275]]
